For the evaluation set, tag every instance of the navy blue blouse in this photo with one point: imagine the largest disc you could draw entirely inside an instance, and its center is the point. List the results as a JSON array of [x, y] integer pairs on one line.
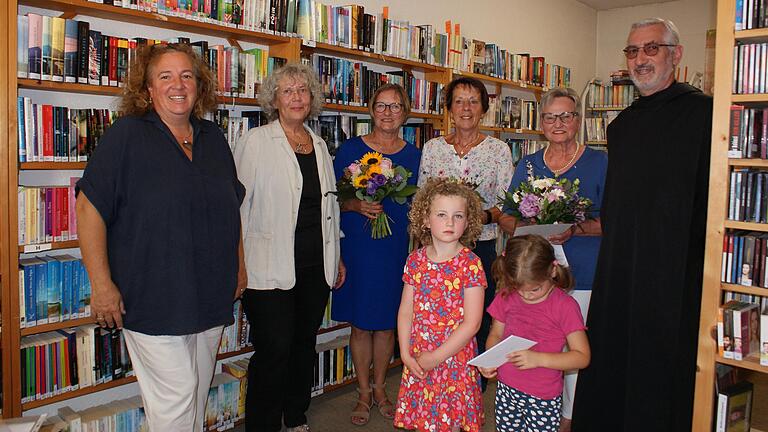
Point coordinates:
[[590, 169], [173, 225]]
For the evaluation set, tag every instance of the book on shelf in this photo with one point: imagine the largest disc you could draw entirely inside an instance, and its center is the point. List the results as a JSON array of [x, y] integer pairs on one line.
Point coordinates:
[[239, 370], [734, 408], [51, 365], [764, 332], [45, 214]]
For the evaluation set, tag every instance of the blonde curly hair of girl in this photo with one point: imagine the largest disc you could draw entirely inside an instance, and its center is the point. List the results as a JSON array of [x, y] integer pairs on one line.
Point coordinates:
[[422, 202], [528, 259]]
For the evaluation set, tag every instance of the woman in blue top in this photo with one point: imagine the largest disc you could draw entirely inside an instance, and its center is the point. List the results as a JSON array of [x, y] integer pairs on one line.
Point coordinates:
[[565, 157], [370, 297]]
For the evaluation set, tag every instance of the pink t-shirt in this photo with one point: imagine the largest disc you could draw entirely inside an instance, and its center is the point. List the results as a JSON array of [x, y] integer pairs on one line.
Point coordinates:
[[548, 324]]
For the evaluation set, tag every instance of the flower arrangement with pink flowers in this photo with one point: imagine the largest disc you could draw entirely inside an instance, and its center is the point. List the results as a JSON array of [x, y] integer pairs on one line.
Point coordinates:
[[373, 178], [542, 200]]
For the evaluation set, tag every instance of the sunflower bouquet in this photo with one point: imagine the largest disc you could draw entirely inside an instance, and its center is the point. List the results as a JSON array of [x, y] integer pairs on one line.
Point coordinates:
[[542, 201], [373, 178]]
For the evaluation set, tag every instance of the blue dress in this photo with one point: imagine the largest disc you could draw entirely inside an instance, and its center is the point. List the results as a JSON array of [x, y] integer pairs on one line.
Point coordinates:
[[370, 296], [590, 169]]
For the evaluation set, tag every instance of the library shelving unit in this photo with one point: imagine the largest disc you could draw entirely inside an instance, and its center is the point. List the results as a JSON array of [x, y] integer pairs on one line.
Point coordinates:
[[599, 110], [500, 84], [290, 48], [713, 289], [279, 46]]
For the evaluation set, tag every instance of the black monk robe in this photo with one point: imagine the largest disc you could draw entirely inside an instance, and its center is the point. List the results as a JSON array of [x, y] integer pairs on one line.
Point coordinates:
[[644, 313]]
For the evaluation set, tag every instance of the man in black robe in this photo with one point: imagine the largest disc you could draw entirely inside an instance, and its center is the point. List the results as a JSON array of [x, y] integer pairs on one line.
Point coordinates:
[[644, 313]]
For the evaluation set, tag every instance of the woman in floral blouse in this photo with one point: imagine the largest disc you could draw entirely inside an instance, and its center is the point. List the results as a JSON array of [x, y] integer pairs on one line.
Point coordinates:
[[478, 159]]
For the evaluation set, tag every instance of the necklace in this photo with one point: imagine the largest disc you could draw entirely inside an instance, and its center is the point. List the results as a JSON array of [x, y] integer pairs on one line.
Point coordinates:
[[564, 167], [187, 141], [462, 150], [298, 146]]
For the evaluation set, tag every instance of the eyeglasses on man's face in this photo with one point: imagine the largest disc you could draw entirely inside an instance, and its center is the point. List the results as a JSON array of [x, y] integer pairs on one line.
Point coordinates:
[[650, 49], [394, 107], [565, 117]]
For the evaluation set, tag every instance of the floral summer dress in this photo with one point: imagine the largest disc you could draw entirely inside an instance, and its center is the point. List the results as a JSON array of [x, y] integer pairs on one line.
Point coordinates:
[[450, 393]]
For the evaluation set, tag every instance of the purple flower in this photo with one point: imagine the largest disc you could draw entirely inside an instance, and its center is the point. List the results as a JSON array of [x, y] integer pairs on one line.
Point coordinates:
[[371, 188], [379, 180], [397, 179], [529, 206]]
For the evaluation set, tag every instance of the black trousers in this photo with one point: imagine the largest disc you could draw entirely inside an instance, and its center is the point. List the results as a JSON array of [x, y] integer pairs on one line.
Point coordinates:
[[486, 251], [284, 326]]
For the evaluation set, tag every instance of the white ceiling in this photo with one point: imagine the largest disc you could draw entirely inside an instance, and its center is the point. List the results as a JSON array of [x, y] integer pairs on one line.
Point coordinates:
[[613, 4]]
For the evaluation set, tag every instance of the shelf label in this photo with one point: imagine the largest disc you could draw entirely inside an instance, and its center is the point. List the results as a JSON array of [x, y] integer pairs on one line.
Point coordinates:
[[37, 247], [518, 131]]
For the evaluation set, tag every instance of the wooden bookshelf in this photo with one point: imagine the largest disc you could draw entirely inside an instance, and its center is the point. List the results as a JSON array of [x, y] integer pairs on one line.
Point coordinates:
[[515, 85], [752, 226], [109, 12], [333, 329], [720, 166], [747, 163], [52, 165], [751, 290], [42, 247], [610, 108], [752, 362], [367, 56], [77, 393], [56, 326]]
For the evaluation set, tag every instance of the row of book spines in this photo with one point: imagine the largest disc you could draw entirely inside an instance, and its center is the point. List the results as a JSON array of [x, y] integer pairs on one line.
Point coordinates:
[[745, 259], [418, 134], [605, 96], [511, 112], [750, 71], [48, 133], [748, 195], [53, 289], [58, 362], [522, 147], [235, 336], [596, 129], [99, 59], [67, 50], [333, 364], [347, 82], [748, 132], [742, 330], [221, 408], [499, 63], [751, 14], [126, 415], [47, 213]]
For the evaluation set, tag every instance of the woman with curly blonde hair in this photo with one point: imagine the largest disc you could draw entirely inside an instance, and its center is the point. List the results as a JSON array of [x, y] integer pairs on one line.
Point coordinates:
[[291, 237], [159, 227], [440, 312]]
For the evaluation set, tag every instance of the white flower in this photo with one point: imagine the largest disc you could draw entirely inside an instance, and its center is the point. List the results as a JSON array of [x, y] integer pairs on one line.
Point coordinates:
[[516, 197], [542, 183]]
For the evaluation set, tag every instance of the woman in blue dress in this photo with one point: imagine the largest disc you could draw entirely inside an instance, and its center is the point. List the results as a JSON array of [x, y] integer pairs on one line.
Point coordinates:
[[564, 157], [370, 297]]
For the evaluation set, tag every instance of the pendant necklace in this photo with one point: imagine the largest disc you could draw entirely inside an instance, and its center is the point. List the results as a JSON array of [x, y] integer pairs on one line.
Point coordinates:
[[187, 141]]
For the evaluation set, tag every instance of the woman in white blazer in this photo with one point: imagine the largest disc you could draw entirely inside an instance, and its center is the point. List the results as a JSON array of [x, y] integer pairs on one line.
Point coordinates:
[[290, 224]]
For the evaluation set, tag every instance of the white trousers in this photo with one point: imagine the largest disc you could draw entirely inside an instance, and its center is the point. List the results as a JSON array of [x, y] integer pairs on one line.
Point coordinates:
[[174, 375], [570, 378]]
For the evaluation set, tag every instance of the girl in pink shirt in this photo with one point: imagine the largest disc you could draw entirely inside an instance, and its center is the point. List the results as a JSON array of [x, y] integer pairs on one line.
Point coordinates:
[[533, 304]]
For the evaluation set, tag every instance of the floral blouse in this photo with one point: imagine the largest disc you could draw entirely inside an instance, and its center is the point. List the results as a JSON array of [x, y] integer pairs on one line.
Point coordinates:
[[487, 165]]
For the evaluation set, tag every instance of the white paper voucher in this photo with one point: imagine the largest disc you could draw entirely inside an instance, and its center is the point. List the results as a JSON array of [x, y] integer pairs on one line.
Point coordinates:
[[497, 355]]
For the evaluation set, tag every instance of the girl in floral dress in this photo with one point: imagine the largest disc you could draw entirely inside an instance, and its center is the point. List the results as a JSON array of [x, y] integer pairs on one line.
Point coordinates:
[[440, 312]]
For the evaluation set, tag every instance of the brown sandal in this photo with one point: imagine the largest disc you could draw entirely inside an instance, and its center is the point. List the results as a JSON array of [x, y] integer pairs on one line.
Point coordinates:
[[359, 417], [386, 408]]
